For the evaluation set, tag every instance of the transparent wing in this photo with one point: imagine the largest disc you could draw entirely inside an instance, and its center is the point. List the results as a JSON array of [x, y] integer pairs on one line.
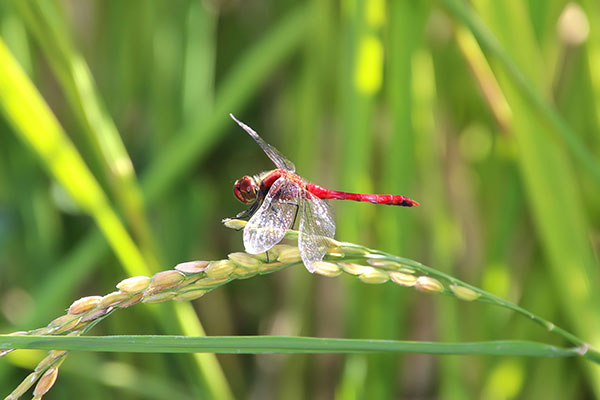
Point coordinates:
[[279, 159], [267, 226], [316, 226]]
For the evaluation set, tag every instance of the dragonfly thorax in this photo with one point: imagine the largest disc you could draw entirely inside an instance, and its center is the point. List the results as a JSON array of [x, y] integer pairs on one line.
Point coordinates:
[[245, 189]]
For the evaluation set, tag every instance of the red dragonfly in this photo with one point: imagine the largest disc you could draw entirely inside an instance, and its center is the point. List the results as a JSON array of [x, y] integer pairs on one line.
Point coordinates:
[[278, 196]]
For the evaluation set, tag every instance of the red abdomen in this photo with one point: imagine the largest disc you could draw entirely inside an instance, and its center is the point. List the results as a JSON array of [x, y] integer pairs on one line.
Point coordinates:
[[390, 199]]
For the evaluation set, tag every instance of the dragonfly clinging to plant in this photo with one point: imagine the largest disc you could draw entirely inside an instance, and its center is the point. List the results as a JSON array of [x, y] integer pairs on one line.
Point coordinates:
[[277, 197]]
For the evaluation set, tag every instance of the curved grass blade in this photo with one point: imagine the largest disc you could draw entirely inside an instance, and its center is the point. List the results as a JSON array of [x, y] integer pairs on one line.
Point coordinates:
[[279, 344]]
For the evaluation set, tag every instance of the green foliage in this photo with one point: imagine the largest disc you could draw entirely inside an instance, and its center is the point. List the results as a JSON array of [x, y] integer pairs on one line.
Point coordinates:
[[117, 158], [277, 344]]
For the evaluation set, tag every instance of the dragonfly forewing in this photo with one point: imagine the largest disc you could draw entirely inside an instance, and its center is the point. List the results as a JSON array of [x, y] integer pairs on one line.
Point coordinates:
[[316, 228], [279, 159], [275, 216]]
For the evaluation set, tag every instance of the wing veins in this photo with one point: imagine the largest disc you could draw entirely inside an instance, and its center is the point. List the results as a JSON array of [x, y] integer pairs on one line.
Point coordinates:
[[275, 155], [274, 217], [316, 227]]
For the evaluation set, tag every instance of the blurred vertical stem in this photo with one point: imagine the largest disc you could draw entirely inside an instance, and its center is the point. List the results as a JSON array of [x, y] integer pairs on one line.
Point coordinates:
[[199, 64], [432, 153], [309, 110], [592, 9], [497, 276], [362, 77], [405, 29], [197, 89], [48, 27], [554, 197]]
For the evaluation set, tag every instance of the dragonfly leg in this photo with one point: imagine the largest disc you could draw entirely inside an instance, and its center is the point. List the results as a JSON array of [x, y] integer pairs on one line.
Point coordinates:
[[246, 213], [249, 212], [295, 215]]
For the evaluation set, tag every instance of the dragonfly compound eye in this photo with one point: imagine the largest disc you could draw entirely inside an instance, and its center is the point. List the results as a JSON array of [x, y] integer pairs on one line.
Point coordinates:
[[245, 189]]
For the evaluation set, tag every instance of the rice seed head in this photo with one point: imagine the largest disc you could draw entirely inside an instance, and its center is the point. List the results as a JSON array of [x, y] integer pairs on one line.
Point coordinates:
[[48, 360], [220, 269], [4, 352], [272, 266], [335, 252], [352, 249], [573, 25], [66, 327], [113, 299], [63, 324], [464, 293], [355, 269], [190, 295], [289, 256], [429, 284], [23, 386], [403, 279], [273, 252], [192, 267], [84, 304], [374, 276], [159, 298], [136, 298], [244, 260], [46, 382], [166, 279], [233, 223], [17, 333], [60, 321], [326, 268], [134, 284], [244, 273], [46, 330], [95, 314], [57, 353], [381, 263], [208, 283]]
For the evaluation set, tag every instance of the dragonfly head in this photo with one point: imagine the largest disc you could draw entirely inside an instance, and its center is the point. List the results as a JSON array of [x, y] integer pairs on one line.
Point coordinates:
[[245, 189]]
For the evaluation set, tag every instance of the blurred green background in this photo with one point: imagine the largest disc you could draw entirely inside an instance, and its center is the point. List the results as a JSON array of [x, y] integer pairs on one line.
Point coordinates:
[[485, 112]]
